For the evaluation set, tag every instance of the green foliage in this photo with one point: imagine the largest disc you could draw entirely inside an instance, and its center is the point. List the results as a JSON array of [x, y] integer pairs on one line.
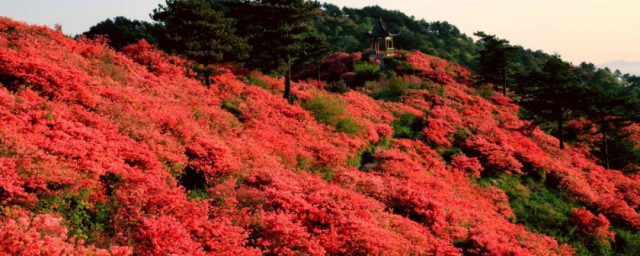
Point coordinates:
[[611, 105], [327, 174], [485, 91], [627, 242], [197, 114], [329, 110], [233, 106], [365, 71], [121, 31], [325, 108], [623, 154], [49, 117], [175, 169], [198, 194], [85, 221], [278, 31], [303, 163], [364, 158], [345, 29], [448, 153], [400, 66], [348, 125], [388, 88], [546, 210], [306, 164], [494, 60], [355, 161], [407, 125], [337, 87], [195, 29], [252, 80], [461, 135]]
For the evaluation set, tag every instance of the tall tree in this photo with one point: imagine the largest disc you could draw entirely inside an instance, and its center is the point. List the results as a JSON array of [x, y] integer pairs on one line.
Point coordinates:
[[611, 105], [278, 30], [552, 94], [201, 33], [494, 60]]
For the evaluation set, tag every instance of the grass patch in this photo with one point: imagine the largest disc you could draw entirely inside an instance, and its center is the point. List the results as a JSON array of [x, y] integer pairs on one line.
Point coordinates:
[[233, 107], [348, 125], [85, 221], [330, 110], [337, 87], [485, 91], [389, 88], [252, 80], [407, 125], [546, 210], [448, 153]]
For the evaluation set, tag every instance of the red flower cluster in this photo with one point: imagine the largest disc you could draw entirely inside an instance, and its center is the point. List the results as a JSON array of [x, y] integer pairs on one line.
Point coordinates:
[[438, 70], [592, 226]]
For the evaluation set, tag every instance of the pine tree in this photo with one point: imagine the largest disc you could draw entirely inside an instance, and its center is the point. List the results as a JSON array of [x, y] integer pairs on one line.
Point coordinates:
[[494, 60], [611, 106], [278, 30], [553, 94], [201, 33]]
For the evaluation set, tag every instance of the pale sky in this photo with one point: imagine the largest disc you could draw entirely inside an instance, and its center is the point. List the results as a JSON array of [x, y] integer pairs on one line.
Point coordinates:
[[579, 30]]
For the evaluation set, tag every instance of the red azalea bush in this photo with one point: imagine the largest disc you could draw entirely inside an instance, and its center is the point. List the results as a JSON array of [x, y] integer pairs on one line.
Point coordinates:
[[591, 225]]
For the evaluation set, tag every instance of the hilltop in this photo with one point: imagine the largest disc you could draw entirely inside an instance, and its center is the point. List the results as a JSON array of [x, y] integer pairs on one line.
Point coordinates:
[[127, 152]]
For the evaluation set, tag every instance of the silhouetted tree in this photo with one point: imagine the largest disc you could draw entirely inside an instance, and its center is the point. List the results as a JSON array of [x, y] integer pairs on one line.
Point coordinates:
[[610, 105], [552, 94], [494, 60], [278, 30]]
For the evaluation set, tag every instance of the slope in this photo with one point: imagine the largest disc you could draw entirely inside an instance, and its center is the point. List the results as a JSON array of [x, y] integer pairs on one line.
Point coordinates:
[[106, 152]]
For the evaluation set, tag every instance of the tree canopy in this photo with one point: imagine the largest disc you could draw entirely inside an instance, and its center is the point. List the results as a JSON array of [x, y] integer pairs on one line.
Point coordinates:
[[280, 32], [194, 28], [495, 59], [121, 31]]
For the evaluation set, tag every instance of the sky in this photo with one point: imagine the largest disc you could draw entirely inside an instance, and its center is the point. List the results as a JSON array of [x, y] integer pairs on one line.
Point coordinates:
[[594, 31]]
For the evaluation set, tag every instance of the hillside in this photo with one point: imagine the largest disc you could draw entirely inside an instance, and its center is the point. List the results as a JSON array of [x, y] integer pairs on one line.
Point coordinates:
[[105, 152]]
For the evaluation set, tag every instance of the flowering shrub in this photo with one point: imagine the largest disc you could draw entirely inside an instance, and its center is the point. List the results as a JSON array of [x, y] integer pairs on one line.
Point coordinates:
[[468, 165], [438, 70], [591, 225], [332, 68]]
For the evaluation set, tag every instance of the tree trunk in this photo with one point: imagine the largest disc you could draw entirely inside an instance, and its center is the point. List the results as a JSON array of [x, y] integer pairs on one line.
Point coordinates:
[[504, 81], [207, 76], [605, 144], [287, 83], [561, 130], [319, 74]]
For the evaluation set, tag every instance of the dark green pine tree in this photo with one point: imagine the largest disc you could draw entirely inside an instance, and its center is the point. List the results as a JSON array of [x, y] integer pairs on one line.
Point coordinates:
[[552, 94], [198, 31], [612, 106], [494, 60], [279, 32], [316, 48]]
